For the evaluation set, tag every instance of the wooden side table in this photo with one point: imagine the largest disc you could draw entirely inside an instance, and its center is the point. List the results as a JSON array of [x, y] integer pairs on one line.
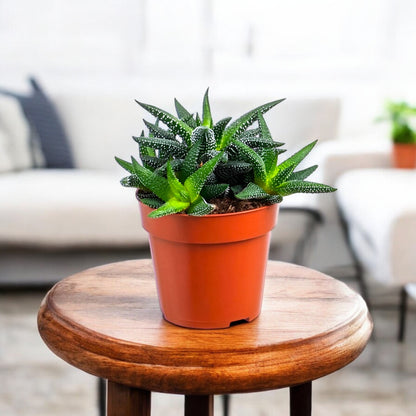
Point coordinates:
[[106, 321]]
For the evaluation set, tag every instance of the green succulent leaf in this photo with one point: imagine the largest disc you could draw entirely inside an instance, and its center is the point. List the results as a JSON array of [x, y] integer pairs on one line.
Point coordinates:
[[172, 206], [152, 181], [232, 171], [176, 165], [232, 168], [233, 152], [264, 129], [184, 114], [152, 202], [132, 181], [206, 111], [285, 169], [206, 135], [125, 165], [212, 153], [272, 199], [242, 123], [209, 142], [299, 186], [252, 191], [198, 119], [142, 195], [200, 207], [237, 188], [211, 191], [197, 180], [190, 163], [249, 134], [259, 142], [219, 127], [172, 147], [178, 190], [146, 151], [269, 157], [300, 175], [190, 121], [157, 131], [250, 156], [177, 126], [152, 162], [211, 179], [137, 167]]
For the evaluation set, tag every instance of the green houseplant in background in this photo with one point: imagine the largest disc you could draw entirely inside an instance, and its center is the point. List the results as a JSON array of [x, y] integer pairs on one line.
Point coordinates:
[[209, 194], [402, 117]]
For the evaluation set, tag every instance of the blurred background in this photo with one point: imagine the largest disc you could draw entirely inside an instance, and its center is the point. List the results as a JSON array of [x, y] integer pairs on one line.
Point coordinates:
[[336, 62], [362, 52]]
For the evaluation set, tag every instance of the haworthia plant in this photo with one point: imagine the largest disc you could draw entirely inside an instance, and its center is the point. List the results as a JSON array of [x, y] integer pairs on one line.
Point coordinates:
[[192, 160]]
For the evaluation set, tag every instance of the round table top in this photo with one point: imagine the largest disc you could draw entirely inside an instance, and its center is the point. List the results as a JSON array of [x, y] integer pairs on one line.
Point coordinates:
[[107, 322]]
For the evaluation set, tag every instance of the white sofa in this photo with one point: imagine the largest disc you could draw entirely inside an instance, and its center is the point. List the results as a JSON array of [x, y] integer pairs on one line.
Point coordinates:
[[379, 206], [57, 221]]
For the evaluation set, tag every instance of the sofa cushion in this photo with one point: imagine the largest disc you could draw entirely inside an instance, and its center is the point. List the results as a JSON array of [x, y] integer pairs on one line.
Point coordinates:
[[6, 162], [60, 208], [379, 206], [100, 126], [14, 136], [47, 130], [68, 208]]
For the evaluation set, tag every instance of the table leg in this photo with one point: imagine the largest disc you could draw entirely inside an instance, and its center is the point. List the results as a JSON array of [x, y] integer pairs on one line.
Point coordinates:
[[102, 393], [402, 313], [127, 401], [199, 405], [301, 400], [225, 404]]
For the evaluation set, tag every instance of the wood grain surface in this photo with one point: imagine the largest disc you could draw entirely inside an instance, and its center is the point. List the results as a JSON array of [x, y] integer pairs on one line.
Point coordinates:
[[106, 321]]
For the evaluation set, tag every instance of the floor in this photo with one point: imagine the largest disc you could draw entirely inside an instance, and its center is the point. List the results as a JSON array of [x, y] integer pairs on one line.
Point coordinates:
[[33, 382]]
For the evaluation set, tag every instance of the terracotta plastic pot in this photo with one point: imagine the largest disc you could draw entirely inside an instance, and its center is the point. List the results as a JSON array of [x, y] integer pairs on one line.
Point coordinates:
[[210, 269], [404, 155]]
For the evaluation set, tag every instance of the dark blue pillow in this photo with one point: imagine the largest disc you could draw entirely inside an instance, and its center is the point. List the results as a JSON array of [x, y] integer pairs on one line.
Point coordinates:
[[46, 127]]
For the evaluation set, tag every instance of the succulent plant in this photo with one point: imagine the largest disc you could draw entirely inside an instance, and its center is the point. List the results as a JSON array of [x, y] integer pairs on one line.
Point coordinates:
[[193, 160]]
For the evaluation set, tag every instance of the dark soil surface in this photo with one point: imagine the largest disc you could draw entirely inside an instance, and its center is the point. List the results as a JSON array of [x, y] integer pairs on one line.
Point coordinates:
[[228, 205]]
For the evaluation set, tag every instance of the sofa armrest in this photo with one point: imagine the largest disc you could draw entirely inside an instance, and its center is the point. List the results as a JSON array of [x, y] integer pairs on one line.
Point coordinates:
[[339, 156], [336, 157]]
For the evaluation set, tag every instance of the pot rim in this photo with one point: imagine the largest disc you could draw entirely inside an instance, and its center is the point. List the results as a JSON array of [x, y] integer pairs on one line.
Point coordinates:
[[207, 229]]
